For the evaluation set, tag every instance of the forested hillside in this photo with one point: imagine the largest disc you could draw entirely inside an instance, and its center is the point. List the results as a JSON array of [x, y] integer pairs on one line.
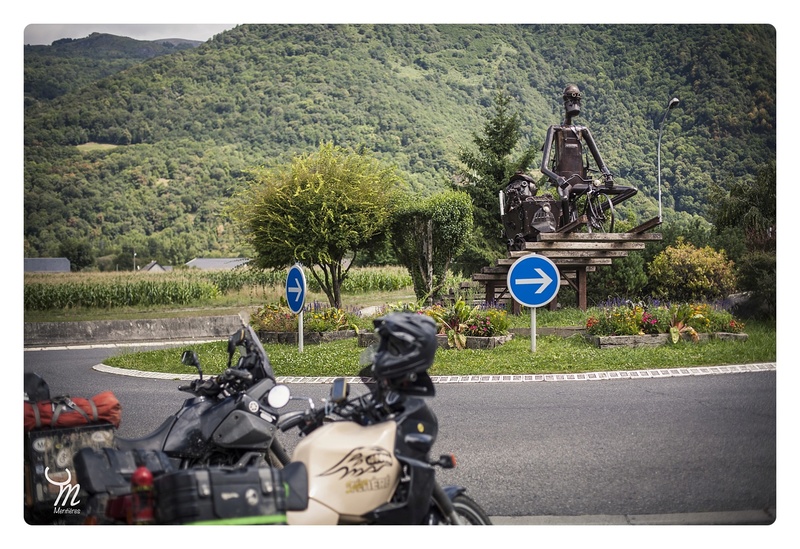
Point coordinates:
[[68, 64], [142, 156]]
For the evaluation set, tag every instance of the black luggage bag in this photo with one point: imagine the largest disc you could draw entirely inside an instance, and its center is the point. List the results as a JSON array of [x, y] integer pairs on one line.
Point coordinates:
[[53, 490], [108, 470], [113, 494], [222, 495]]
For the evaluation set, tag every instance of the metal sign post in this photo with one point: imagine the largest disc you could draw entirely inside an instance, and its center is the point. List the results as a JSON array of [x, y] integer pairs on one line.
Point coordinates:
[[296, 297], [533, 280]]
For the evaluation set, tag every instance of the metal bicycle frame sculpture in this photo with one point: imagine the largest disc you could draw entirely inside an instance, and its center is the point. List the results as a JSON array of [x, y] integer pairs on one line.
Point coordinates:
[[595, 201]]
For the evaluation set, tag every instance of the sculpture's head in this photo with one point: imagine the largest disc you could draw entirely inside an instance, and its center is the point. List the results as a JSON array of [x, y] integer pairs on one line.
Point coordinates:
[[572, 100]]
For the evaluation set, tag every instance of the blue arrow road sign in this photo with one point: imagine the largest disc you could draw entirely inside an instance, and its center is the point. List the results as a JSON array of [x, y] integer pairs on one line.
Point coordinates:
[[533, 280], [296, 288]]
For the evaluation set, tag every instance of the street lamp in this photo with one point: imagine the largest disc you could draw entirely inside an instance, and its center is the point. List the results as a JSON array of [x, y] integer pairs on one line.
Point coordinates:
[[134, 262], [672, 102]]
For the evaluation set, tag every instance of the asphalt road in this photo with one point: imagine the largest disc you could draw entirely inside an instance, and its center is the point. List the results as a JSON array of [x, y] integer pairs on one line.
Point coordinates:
[[678, 450]]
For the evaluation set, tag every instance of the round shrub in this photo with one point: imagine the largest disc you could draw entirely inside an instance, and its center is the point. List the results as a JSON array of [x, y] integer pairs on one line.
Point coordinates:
[[686, 273]]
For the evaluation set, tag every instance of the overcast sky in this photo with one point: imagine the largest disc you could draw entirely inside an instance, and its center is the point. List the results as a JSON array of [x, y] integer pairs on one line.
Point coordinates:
[[47, 34]]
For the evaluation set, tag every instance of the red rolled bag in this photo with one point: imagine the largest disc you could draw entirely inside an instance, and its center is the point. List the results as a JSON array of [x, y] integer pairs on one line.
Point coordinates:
[[64, 411]]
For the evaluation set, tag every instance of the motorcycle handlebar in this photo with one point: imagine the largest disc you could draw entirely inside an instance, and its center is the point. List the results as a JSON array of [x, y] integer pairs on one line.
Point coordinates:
[[231, 373], [307, 420]]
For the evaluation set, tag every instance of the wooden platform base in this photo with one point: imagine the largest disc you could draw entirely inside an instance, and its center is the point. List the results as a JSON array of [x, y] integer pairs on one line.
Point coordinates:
[[575, 255]]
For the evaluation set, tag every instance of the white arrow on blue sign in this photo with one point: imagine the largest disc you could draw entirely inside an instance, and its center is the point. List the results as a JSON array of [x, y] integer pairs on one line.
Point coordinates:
[[533, 280], [296, 288]]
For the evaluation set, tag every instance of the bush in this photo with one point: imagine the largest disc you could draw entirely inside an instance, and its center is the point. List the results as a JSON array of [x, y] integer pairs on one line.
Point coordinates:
[[758, 275], [686, 273]]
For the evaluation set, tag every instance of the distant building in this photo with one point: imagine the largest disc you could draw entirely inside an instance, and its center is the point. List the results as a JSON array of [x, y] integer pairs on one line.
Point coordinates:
[[217, 263], [47, 265], [154, 267]]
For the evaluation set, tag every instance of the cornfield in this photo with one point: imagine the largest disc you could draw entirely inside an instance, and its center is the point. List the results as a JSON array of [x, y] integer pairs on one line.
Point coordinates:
[[185, 287]]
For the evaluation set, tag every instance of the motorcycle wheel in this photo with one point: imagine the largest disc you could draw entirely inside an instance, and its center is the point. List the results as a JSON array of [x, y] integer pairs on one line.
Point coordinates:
[[469, 513]]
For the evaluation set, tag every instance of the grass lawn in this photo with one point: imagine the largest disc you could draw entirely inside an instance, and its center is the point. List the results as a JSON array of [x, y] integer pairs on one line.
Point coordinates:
[[553, 355]]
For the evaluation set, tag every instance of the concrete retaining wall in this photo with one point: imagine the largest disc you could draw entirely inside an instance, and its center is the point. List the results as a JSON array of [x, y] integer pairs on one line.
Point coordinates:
[[45, 334]]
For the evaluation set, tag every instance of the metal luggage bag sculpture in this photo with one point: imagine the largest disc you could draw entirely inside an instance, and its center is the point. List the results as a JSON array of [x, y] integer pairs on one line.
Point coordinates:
[[524, 214]]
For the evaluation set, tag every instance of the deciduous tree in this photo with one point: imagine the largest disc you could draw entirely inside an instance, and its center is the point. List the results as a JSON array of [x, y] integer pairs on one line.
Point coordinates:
[[428, 233], [322, 208]]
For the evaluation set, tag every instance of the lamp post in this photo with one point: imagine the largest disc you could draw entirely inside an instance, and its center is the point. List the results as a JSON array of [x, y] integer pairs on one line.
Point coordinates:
[[134, 262], [672, 102]]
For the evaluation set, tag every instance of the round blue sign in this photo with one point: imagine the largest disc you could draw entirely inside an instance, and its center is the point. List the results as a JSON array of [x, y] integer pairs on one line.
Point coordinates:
[[296, 288], [533, 280]]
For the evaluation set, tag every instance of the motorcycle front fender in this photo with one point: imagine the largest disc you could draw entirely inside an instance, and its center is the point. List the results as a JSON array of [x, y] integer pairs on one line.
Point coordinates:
[[452, 491]]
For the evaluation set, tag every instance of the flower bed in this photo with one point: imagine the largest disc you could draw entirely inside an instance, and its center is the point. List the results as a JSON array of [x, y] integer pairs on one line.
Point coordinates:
[[316, 318], [653, 340], [677, 320], [308, 337], [460, 326]]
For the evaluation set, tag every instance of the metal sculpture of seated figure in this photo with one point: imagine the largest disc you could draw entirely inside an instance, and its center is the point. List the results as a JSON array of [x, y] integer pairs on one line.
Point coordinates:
[[563, 160]]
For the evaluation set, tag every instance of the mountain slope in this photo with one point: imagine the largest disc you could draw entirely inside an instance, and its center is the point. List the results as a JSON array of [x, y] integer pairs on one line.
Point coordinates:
[[184, 125], [68, 64]]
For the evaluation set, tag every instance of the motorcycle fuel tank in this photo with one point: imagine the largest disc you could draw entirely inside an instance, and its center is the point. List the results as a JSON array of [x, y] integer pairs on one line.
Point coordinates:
[[352, 470]]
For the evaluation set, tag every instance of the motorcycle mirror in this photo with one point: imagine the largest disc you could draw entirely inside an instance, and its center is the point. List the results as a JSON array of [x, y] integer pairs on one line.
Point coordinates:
[[339, 390], [279, 396], [189, 358], [236, 339]]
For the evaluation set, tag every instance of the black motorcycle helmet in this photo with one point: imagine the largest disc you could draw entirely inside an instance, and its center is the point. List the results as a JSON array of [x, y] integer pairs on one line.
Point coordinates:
[[407, 345]]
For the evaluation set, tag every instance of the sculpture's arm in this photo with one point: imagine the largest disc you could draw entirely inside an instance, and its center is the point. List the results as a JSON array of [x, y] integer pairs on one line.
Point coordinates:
[[547, 149], [590, 142]]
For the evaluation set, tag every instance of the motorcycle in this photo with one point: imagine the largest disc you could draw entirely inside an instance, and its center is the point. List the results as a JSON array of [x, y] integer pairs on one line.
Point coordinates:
[[368, 457], [231, 419], [361, 460]]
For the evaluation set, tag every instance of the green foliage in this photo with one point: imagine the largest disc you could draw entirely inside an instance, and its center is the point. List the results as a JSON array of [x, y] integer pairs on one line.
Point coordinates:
[[427, 233], [317, 210], [122, 293], [637, 319], [487, 323], [45, 292], [749, 209], [279, 318], [758, 274], [274, 318], [180, 129], [750, 206], [79, 251], [485, 172], [686, 273], [626, 278], [67, 65], [458, 320]]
